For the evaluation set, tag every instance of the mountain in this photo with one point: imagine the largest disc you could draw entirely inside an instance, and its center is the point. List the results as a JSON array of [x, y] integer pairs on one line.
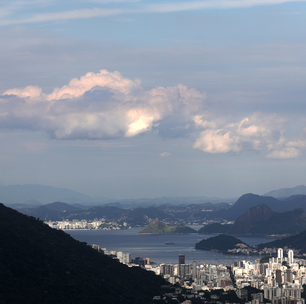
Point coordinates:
[[245, 222], [262, 220], [297, 241], [157, 227], [245, 202], [173, 200], [221, 242], [285, 192], [59, 211], [250, 200], [293, 202], [19, 194], [61, 206], [35, 194], [42, 265], [141, 216]]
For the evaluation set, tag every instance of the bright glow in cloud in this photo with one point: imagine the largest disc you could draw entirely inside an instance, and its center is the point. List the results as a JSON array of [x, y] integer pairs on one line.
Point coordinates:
[[96, 106]]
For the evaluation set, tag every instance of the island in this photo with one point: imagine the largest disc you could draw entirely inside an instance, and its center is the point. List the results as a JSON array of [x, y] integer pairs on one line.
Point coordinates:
[[157, 227], [221, 243]]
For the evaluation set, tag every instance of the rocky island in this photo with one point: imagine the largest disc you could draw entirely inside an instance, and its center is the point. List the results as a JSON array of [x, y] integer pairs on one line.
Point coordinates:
[[157, 227], [221, 243]]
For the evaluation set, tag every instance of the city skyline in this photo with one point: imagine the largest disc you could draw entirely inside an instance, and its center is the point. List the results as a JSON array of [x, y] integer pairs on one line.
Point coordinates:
[[132, 99]]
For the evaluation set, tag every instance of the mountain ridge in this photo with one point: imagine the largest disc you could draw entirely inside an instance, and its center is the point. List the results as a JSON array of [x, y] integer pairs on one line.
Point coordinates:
[[286, 192]]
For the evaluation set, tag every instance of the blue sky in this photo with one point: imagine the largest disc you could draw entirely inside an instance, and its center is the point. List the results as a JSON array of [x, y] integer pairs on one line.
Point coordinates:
[[133, 99]]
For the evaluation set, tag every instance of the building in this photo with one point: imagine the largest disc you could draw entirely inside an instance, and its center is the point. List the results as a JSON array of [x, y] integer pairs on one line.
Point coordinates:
[[280, 255], [194, 270], [290, 257], [181, 259], [278, 274], [167, 269], [184, 271]]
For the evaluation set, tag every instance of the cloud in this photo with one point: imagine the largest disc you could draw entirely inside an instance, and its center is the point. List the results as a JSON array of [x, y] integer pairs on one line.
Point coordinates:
[[164, 154], [85, 13], [29, 91], [285, 153], [258, 132], [96, 106], [107, 105]]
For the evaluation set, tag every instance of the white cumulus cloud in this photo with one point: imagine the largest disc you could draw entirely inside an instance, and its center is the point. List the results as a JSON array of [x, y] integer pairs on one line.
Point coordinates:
[[258, 132], [96, 106]]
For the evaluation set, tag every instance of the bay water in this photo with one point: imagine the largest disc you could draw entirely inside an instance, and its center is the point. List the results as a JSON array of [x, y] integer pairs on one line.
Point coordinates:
[[156, 248]]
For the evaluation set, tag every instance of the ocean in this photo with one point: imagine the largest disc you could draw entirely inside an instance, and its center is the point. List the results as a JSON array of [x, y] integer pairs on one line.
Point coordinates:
[[155, 247]]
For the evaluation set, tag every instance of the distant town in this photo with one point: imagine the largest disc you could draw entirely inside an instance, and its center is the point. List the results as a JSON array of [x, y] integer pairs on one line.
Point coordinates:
[[104, 224], [278, 280], [100, 224]]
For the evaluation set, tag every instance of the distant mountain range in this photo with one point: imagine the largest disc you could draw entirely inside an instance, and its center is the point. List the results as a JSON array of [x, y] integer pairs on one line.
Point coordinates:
[[253, 214], [286, 192], [35, 195], [250, 200]]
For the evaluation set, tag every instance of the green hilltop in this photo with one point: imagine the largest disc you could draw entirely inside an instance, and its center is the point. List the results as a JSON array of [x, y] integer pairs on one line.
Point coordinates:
[[157, 227]]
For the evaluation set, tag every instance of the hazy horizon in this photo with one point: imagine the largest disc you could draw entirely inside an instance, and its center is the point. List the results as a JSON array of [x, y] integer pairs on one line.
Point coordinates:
[[143, 99]]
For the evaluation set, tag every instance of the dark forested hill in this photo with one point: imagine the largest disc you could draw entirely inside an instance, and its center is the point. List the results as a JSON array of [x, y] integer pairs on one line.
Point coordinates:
[[248, 220], [262, 220], [42, 265], [221, 242], [297, 241]]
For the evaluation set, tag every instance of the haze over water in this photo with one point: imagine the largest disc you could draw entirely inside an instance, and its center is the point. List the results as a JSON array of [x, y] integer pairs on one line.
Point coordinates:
[[155, 248]]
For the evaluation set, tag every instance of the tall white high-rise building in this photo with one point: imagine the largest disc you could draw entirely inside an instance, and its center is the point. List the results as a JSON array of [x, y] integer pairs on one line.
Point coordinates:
[[290, 256], [280, 254]]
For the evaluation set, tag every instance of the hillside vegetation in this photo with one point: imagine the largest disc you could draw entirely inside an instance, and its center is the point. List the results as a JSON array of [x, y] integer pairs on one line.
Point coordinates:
[[42, 265]]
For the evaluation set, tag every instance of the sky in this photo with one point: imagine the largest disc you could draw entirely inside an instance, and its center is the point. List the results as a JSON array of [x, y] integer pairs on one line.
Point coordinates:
[[132, 98]]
